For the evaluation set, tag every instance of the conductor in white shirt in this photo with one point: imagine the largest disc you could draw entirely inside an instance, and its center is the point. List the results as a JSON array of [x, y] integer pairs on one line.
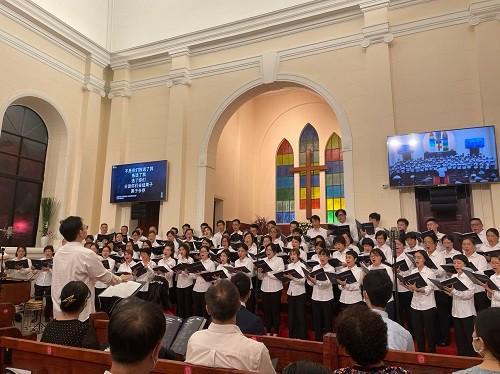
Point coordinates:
[[377, 290], [74, 262], [223, 345]]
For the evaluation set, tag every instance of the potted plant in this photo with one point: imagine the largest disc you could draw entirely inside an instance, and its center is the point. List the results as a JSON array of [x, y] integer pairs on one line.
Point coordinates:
[[48, 206]]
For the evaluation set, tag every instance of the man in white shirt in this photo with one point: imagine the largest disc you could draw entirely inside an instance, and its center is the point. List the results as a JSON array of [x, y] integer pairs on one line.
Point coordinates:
[[223, 345], [221, 228], [476, 225], [316, 228], [135, 342], [341, 215], [377, 290], [74, 262]]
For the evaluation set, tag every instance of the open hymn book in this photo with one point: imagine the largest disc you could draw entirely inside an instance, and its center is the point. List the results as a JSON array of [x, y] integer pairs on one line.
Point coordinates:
[[122, 290]]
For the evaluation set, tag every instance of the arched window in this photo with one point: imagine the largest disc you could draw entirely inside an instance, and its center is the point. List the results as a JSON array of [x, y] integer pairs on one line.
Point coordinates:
[[285, 204], [334, 177], [23, 147], [309, 140]]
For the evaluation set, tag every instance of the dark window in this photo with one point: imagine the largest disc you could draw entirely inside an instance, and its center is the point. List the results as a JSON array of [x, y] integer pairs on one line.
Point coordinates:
[[23, 148]]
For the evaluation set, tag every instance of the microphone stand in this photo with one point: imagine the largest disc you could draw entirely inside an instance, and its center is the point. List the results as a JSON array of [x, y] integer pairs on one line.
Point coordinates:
[[394, 232]]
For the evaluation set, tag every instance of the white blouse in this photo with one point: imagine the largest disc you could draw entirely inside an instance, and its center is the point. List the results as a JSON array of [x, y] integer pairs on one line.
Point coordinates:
[[296, 287], [404, 256], [247, 262], [111, 268], [481, 264], [169, 264], [322, 290], [351, 293], [185, 279], [201, 285], [269, 282], [44, 277], [126, 268], [495, 298], [424, 300], [463, 301]]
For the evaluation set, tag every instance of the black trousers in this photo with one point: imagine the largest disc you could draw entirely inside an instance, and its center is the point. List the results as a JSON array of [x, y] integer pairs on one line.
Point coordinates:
[[42, 292], [322, 313], [199, 305], [423, 328], [271, 302], [443, 314], [184, 302], [481, 301], [463, 332], [405, 309], [297, 317], [251, 300]]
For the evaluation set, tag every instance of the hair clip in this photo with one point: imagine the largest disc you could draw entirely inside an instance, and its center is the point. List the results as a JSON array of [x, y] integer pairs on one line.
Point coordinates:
[[70, 299]]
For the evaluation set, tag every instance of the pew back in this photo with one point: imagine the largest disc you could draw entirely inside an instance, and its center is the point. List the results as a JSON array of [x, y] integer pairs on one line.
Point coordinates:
[[43, 358]]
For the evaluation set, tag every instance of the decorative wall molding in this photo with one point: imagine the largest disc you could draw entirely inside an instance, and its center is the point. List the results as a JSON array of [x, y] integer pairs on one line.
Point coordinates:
[[180, 76], [484, 10], [120, 89], [93, 84], [376, 34]]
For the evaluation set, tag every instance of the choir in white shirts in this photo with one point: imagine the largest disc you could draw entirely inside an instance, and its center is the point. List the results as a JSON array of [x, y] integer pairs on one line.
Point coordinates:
[[351, 292], [322, 290], [201, 285]]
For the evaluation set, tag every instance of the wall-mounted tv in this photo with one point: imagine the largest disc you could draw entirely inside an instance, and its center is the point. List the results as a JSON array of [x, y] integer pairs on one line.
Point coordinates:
[[443, 157], [143, 181]]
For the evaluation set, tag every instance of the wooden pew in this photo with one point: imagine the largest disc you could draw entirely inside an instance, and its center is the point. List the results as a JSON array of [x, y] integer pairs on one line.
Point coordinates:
[[43, 358], [416, 362], [7, 312]]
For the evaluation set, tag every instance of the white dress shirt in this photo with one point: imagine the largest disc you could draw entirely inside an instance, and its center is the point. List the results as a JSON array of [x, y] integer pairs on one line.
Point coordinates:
[[126, 268], [424, 300], [404, 256], [217, 239], [253, 249], [486, 247], [340, 255], [185, 279], [201, 285], [438, 258], [228, 274], [44, 277], [224, 346], [322, 290], [351, 293], [398, 337], [387, 251], [248, 263], [495, 298], [74, 262], [353, 228], [111, 263], [296, 287], [312, 233], [269, 282], [168, 264], [147, 276], [450, 254], [481, 264], [417, 247], [463, 301]]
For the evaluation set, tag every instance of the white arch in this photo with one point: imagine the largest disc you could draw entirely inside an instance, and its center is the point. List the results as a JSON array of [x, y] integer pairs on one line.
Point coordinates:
[[59, 138], [222, 115]]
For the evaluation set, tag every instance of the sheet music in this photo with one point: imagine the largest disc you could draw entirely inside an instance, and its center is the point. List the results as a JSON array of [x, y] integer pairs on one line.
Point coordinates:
[[121, 290]]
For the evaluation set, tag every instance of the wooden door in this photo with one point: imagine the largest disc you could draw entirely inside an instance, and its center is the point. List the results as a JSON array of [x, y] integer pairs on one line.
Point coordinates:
[[450, 206]]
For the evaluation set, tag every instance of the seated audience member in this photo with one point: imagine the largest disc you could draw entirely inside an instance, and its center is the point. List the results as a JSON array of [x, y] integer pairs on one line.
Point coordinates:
[[66, 329], [377, 290], [248, 322], [486, 342], [363, 334], [223, 345], [305, 367], [135, 332]]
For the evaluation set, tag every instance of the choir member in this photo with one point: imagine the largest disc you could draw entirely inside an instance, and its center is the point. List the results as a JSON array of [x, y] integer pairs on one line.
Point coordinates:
[[350, 243], [339, 244], [184, 290], [235, 224], [448, 248], [480, 299], [404, 295], [495, 278], [351, 292], [225, 244], [402, 225], [128, 255], [476, 226], [443, 301], [379, 262], [221, 229], [223, 262], [89, 239], [322, 298], [168, 262], [149, 265], [124, 232], [492, 242], [381, 239], [271, 289], [316, 229], [423, 305], [432, 225], [103, 230], [341, 215], [43, 282], [320, 245], [244, 260], [276, 237], [375, 219], [249, 240], [296, 241], [201, 285], [20, 255], [119, 238], [100, 286], [412, 243], [463, 310], [296, 298], [208, 233]]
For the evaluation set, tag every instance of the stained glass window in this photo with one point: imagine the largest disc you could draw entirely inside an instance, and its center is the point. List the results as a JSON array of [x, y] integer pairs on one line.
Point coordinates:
[[23, 147], [309, 140], [334, 177], [285, 204]]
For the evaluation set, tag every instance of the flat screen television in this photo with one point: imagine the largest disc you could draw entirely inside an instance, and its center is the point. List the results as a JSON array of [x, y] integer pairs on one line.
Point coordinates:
[[443, 157], [143, 181]]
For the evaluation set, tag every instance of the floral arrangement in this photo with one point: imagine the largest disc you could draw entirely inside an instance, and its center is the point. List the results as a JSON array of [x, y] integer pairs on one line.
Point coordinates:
[[304, 226], [262, 223]]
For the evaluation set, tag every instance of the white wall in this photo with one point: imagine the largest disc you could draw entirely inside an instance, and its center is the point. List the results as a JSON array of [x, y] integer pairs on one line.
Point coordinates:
[[138, 22], [89, 17]]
